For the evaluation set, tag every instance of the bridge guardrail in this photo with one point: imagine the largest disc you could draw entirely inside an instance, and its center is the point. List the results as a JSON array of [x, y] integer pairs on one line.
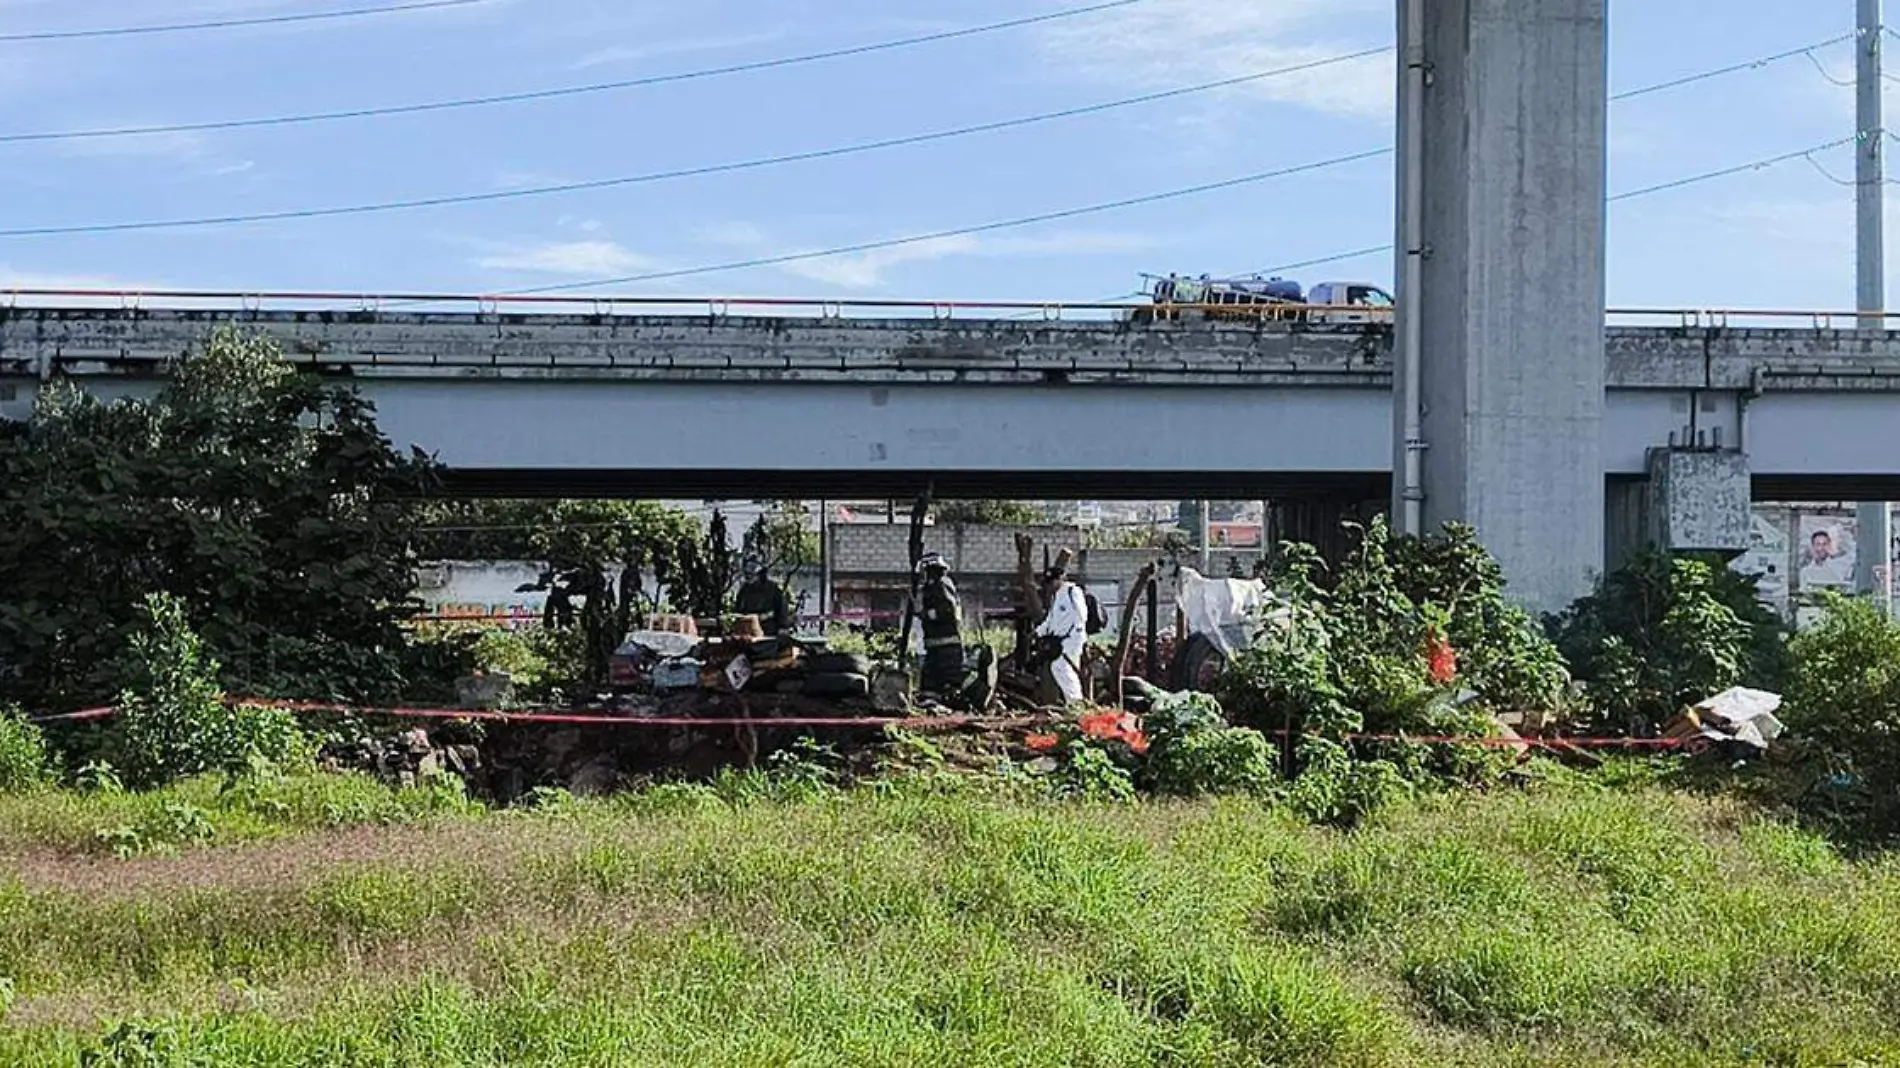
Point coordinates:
[[829, 308]]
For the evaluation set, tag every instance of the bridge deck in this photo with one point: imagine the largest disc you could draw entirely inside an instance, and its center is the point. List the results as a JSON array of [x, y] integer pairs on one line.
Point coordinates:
[[1101, 407]]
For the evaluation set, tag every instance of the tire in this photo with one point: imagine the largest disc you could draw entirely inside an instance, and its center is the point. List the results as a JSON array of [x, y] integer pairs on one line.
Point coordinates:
[[837, 685], [839, 664], [1198, 665]]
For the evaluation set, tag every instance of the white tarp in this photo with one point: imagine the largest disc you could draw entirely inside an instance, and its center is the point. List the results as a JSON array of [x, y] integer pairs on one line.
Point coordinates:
[[1221, 608], [662, 643], [1748, 714]]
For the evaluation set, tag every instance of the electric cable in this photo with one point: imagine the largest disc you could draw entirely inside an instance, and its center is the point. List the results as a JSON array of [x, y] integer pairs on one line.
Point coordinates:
[[687, 172], [662, 79], [1679, 183], [795, 157], [229, 24], [563, 91], [963, 231]]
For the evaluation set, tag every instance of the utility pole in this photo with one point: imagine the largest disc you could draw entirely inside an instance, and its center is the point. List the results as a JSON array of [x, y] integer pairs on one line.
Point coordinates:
[[1408, 468], [1875, 542]]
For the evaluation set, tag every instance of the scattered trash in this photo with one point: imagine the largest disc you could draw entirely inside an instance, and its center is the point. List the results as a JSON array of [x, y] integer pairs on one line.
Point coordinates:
[[1738, 716]]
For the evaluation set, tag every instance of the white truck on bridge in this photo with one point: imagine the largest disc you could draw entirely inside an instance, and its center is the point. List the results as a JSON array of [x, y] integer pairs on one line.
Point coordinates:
[[1178, 297]]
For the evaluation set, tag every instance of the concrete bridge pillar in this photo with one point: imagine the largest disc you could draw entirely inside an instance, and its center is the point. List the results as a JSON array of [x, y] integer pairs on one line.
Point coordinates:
[[1501, 261]]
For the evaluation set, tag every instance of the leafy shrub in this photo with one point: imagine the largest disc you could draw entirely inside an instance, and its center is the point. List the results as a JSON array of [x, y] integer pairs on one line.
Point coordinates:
[[98, 777], [1503, 654], [1844, 695], [1660, 632], [1225, 760], [162, 829], [512, 652], [267, 499], [1090, 773], [805, 768], [1335, 789], [1192, 750], [1174, 716], [877, 646], [173, 720], [22, 754], [1367, 653]]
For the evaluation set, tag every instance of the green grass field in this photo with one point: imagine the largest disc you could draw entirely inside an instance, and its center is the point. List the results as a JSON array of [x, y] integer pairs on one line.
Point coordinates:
[[332, 923]]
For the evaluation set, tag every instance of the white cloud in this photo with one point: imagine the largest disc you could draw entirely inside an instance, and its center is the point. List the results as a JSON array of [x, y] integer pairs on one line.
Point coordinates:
[[868, 269], [578, 258], [1166, 43]]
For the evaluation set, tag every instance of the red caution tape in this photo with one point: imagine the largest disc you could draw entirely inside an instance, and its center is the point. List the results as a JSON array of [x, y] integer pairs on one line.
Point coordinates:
[[582, 719], [1509, 743], [850, 722]]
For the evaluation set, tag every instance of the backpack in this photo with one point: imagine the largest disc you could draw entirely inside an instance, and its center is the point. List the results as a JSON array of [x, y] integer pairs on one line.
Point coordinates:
[[1097, 619]]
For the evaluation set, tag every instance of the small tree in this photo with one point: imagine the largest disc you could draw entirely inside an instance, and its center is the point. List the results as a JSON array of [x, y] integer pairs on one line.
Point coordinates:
[[1662, 632], [173, 720], [781, 541]]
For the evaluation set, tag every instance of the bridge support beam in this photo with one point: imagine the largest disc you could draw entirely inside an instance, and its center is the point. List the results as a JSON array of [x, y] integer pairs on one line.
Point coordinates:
[[1503, 266]]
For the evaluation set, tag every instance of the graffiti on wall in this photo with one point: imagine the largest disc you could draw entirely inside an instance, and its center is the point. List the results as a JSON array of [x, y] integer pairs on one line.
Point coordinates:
[[486, 589]]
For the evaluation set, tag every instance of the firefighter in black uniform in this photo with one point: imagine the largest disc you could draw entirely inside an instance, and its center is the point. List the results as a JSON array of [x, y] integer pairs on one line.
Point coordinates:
[[766, 599], [943, 629]]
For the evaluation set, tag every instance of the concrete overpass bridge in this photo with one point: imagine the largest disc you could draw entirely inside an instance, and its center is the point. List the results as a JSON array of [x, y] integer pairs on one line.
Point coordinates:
[[755, 398]]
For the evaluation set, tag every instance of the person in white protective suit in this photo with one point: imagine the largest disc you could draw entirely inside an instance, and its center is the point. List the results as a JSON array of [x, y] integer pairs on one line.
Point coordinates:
[[1065, 628]]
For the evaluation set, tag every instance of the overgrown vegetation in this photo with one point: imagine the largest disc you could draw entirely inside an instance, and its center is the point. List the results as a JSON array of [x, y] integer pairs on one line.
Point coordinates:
[[1660, 633], [1843, 696], [174, 721], [266, 501], [725, 924], [23, 754], [1382, 647], [989, 513]]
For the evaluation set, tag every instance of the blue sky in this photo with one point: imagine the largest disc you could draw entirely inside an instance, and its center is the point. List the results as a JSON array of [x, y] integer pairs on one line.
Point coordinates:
[[1777, 237]]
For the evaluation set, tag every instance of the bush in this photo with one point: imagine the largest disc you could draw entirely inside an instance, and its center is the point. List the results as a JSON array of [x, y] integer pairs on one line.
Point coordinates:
[[173, 719], [1226, 760], [1844, 695], [22, 754], [1090, 773], [511, 652], [1192, 750], [1660, 633], [1366, 654], [1335, 789]]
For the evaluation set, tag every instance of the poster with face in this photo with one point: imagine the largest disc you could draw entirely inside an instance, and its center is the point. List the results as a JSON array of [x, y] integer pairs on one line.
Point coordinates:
[[1827, 552], [1767, 558]]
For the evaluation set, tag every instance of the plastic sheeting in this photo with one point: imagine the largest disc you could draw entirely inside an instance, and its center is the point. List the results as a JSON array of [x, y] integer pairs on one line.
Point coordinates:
[[1227, 610], [1748, 714]]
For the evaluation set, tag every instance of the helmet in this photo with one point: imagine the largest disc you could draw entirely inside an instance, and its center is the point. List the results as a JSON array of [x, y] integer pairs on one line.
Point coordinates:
[[933, 561]]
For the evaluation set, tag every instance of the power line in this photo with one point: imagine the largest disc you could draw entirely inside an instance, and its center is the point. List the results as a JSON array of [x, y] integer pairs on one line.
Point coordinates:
[[1741, 168], [1679, 183], [1736, 68], [964, 231], [689, 172], [817, 154], [228, 24], [564, 91], [634, 83]]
